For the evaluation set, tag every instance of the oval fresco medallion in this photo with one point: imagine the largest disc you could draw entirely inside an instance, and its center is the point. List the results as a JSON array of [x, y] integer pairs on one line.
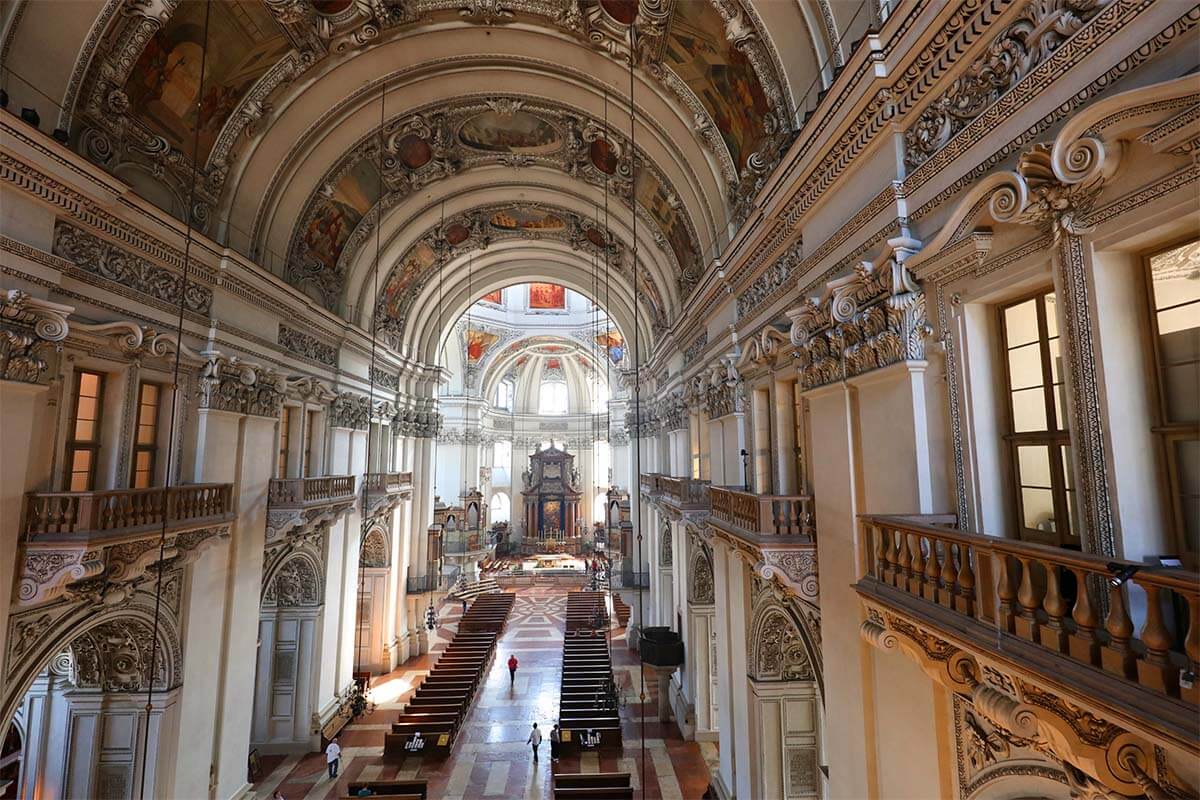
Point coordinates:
[[604, 158], [413, 151], [595, 236], [623, 11], [526, 219], [518, 132], [456, 233]]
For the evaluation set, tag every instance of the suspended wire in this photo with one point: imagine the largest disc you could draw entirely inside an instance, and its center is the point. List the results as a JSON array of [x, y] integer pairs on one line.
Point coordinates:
[[637, 382], [364, 525], [175, 402]]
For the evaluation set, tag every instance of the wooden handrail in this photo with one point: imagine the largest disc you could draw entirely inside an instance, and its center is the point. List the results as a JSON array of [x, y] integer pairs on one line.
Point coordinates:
[[763, 514], [1050, 596], [118, 509]]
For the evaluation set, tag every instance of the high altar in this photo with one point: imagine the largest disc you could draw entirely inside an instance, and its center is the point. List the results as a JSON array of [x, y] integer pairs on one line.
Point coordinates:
[[551, 494]]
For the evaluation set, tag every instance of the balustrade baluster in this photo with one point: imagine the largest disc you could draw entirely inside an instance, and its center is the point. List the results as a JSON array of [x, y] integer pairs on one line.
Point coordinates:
[[1118, 657], [1054, 633], [965, 601], [1191, 648], [1084, 643], [903, 561], [916, 572], [877, 535], [1026, 623], [930, 590], [949, 576], [1005, 591], [888, 573], [1156, 670]]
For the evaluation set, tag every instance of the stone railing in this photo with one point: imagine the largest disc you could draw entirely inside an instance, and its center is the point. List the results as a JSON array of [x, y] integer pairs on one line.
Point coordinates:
[[687, 493], [120, 511], [763, 514], [387, 482], [285, 492], [1075, 605]]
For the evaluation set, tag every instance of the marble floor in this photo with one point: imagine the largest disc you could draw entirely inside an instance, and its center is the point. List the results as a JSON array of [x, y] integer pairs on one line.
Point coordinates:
[[490, 758]]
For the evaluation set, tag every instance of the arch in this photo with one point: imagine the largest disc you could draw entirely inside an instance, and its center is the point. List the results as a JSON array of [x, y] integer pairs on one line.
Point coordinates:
[[296, 581], [701, 589], [666, 553], [784, 638], [500, 508], [375, 550], [41, 634]]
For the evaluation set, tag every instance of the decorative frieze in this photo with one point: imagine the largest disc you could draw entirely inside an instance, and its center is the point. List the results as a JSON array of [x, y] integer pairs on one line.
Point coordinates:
[[307, 346], [381, 377], [694, 349], [774, 280], [93, 255], [1036, 33]]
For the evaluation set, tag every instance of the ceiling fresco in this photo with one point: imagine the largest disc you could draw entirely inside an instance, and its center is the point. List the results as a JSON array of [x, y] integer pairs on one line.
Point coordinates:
[[164, 85], [420, 263], [332, 230], [714, 56]]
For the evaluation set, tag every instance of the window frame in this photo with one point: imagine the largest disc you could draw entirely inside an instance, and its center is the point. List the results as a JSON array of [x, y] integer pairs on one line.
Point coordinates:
[[1057, 438], [94, 444], [284, 442], [1167, 433], [151, 448]]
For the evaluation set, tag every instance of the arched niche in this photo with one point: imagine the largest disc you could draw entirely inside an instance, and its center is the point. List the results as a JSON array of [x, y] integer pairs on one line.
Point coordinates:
[[375, 550]]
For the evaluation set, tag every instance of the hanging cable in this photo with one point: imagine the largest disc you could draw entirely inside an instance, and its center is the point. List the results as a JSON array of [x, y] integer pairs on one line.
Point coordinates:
[[175, 401], [637, 382], [365, 523]]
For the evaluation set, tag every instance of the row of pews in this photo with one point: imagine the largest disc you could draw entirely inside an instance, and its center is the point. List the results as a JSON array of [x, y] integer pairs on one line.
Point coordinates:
[[593, 786], [391, 790], [432, 718], [588, 716]]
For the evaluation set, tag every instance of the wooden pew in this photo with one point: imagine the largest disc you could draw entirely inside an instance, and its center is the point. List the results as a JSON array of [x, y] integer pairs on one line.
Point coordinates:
[[419, 788]]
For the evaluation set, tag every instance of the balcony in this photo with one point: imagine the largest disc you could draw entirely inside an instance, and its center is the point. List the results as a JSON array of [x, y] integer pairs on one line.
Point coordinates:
[[308, 492], [686, 494], [387, 482], [385, 490], [88, 546], [762, 515], [649, 482], [300, 504], [121, 513], [464, 543], [1031, 621]]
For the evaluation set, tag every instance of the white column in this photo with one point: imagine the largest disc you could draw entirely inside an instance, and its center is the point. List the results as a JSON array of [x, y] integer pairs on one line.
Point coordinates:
[[725, 688]]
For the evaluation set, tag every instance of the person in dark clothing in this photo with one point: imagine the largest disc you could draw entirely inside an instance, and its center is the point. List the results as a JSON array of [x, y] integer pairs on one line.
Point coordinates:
[[555, 741]]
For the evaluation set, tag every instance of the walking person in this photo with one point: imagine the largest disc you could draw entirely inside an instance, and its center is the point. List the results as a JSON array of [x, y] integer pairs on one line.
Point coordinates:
[[333, 757], [555, 741], [535, 739], [512, 671], [464, 602]]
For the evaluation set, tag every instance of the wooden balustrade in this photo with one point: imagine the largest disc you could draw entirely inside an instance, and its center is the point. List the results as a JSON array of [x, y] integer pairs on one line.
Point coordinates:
[[763, 514], [684, 491], [386, 482], [309, 491], [123, 509], [1052, 597]]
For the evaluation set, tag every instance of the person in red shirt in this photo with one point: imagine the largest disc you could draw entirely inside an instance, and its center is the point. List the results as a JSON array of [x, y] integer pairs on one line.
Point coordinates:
[[512, 670]]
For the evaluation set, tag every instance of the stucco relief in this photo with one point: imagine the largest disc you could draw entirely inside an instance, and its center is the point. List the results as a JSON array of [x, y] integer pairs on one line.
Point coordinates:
[[296, 582], [374, 549], [701, 590], [777, 651]]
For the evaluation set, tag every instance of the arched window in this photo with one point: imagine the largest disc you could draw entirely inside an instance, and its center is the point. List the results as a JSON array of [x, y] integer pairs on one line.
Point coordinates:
[[600, 507], [499, 508], [552, 398], [504, 395], [501, 461]]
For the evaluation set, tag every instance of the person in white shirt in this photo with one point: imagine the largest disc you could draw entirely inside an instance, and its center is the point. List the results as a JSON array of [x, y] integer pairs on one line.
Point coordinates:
[[535, 739], [333, 756]]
